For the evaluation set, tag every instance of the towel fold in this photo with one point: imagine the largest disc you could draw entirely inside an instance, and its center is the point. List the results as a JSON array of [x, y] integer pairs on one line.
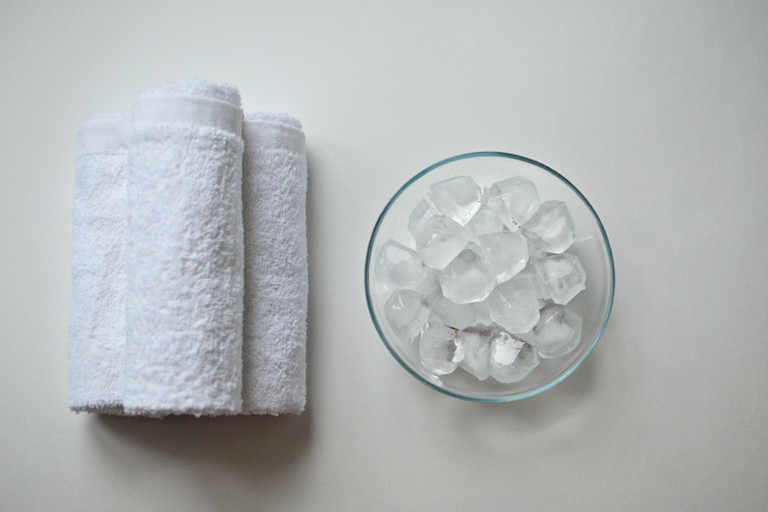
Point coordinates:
[[189, 258], [276, 280], [184, 257], [97, 313]]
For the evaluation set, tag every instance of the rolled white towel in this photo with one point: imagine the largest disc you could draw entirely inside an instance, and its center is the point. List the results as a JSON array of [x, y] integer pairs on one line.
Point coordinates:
[[276, 279], [97, 313], [184, 257]]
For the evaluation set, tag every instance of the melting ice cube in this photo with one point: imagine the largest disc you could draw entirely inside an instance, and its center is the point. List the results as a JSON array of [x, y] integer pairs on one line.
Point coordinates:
[[529, 278], [429, 287], [397, 266], [506, 254], [458, 198], [515, 309], [512, 359], [439, 350], [484, 222], [477, 350], [558, 331], [482, 313], [458, 316], [515, 200], [551, 227], [419, 216], [562, 275], [466, 279], [439, 241], [406, 313]]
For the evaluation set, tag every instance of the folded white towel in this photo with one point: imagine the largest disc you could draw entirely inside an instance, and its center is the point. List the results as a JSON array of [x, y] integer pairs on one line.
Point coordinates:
[[97, 313], [276, 281], [175, 309], [184, 256]]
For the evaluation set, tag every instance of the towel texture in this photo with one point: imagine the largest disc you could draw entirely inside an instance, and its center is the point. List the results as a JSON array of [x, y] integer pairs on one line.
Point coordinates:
[[97, 313], [184, 259], [276, 280], [189, 258]]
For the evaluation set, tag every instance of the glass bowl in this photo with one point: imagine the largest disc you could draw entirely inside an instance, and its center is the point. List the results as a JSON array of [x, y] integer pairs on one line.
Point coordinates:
[[591, 246]]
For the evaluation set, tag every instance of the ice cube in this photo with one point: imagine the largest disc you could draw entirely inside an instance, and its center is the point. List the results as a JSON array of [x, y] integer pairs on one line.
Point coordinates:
[[551, 227], [474, 247], [515, 200], [406, 313], [429, 287], [458, 198], [505, 253], [515, 309], [466, 279], [477, 350], [482, 313], [484, 222], [439, 349], [512, 359], [534, 250], [562, 276], [397, 266], [419, 216], [529, 278], [458, 316], [439, 241], [558, 331]]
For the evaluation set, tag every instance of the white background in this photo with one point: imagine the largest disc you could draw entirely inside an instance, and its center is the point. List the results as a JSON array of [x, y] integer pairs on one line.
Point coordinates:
[[656, 110]]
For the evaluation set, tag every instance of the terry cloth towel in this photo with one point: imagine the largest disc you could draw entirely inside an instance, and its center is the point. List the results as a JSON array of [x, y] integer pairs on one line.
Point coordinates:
[[184, 256], [276, 280], [97, 314]]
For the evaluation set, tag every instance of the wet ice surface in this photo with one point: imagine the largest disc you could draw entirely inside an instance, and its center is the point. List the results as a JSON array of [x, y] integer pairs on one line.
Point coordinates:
[[439, 241], [484, 222], [529, 278], [439, 349], [551, 227], [512, 359], [515, 309], [429, 287], [484, 283], [514, 200], [406, 313], [482, 313], [557, 332], [419, 216], [562, 277], [398, 266], [477, 350], [458, 316], [466, 279], [506, 254], [458, 198]]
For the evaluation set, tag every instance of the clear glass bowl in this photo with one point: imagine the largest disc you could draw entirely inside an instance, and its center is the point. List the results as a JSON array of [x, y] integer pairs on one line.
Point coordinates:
[[591, 246]]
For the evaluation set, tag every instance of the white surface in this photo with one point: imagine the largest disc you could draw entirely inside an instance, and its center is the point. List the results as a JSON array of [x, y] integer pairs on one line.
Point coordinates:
[[656, 110]]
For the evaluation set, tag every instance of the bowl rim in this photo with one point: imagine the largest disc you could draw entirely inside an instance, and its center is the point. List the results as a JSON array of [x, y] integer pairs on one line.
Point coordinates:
[[369, 256]]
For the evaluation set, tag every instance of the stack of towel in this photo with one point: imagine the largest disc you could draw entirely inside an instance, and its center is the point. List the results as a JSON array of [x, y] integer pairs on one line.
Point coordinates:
[[189, 258]]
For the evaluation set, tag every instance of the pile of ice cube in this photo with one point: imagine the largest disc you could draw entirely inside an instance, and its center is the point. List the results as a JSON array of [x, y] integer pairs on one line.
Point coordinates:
[[486, 287]]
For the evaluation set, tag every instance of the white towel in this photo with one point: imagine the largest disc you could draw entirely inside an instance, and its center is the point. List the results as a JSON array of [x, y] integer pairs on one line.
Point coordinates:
[[97, 312], [276, 281], [184, 256], [158, 324]]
